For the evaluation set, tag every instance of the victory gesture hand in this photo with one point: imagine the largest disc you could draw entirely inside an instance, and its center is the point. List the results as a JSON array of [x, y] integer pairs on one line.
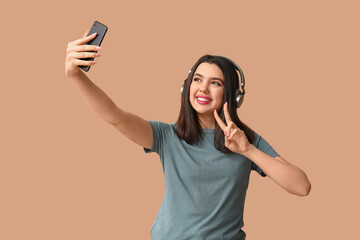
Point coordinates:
[[235, 138]]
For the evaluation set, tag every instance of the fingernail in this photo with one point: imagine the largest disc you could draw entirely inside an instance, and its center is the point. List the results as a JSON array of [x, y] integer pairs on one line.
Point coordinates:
[[98, 47], [93, 34]]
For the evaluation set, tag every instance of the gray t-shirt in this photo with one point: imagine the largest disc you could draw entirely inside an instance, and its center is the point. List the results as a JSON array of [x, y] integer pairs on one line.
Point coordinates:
[[205, 188]]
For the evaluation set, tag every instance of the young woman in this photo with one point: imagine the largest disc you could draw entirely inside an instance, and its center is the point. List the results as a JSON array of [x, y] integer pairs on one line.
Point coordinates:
[[207, 155]]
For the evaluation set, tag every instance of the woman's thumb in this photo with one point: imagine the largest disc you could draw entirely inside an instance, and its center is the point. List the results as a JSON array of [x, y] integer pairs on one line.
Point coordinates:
[[86, 33]]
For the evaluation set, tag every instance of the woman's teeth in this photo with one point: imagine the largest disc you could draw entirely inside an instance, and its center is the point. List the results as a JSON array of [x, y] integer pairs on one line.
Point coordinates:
[[203, 99]]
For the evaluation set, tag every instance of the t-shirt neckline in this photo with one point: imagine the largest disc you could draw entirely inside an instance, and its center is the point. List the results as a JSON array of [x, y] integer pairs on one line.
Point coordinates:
[[204, 130]]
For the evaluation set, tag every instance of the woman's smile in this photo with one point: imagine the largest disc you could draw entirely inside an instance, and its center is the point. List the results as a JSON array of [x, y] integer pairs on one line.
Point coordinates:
[[201, 99]]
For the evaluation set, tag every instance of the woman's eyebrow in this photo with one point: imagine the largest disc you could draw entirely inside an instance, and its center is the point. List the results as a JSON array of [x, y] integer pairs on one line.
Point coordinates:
[[215, 78]]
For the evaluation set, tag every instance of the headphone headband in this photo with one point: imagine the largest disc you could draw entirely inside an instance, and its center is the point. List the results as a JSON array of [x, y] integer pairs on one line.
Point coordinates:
[[242, 77]]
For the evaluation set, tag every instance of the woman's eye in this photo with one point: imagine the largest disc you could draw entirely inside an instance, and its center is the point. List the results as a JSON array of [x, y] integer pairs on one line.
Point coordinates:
[[198, 80]]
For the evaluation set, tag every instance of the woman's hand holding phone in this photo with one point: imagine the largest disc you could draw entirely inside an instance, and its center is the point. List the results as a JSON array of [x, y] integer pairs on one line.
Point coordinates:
[[77, 50]]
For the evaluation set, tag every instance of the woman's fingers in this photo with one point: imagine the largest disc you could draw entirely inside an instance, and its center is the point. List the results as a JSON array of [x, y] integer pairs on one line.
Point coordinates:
[[83, 48], [85, 39], [229, 124], [77, 58], [229, 128], [86, 33], [83, 62], [83, 51], [77, 53], [85, 55], [232, 134], [77, 50], [219, 121], [226, 113]]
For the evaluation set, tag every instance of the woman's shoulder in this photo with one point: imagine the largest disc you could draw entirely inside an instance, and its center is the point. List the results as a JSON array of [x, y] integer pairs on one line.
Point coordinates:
[[161, 123], [252, 135], [162, 127], [259, 140], [256, 138]]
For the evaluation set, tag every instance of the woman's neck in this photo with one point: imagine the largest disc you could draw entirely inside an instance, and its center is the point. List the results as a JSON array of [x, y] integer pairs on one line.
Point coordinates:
[[207, 122]]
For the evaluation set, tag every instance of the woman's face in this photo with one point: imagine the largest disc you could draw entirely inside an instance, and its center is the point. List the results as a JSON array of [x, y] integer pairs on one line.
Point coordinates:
[[207, 89]]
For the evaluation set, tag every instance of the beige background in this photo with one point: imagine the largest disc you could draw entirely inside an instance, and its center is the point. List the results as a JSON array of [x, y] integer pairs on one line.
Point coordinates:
[[67, 174]]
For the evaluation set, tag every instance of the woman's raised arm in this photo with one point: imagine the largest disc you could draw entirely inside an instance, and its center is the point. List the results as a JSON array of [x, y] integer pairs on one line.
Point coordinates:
[[133, 127]]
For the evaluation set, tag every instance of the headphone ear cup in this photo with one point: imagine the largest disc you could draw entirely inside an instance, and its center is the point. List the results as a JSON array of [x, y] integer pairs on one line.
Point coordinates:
[[239, 98]]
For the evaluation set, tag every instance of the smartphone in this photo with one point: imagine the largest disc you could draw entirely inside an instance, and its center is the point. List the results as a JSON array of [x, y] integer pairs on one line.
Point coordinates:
[[101, 30]]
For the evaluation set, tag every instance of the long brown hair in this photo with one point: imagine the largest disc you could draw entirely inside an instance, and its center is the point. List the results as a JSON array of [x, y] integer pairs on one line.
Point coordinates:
[[187, 126]]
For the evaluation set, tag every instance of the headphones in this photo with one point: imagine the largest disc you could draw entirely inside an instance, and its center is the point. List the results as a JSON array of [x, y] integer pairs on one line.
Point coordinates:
[[239, 95]]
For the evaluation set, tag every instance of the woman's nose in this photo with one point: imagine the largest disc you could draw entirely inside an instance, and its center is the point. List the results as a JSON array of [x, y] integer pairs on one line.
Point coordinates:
[[204, 87]]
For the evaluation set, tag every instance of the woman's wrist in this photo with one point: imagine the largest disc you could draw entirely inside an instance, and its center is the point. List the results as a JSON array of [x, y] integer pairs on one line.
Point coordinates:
[[248, 153]]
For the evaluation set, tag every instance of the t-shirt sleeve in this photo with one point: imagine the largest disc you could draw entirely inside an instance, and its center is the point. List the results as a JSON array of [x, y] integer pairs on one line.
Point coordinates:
[[264, 146], [160, 133]]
